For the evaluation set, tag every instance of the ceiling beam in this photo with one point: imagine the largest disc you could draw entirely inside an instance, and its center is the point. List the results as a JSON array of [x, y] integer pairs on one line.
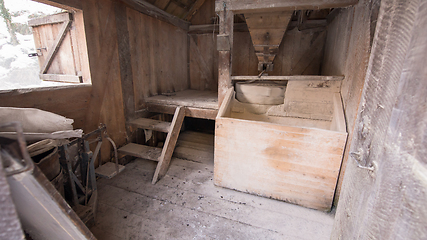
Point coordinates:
[[197, 4], [155, 12], [249, 6], [242, 27]]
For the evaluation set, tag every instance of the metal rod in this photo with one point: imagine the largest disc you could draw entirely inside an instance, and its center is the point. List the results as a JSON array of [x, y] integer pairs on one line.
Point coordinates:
[[28, 162]]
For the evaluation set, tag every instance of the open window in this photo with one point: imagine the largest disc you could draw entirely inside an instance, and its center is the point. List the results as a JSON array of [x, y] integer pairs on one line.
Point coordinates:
[[61, 47], [52, 35]]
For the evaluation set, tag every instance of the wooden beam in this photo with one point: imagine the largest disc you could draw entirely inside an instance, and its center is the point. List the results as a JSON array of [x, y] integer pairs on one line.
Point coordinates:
[[61, 78], [309, 24], [170, 142], [155, 12], [226, 25], [242, 27], [214, 28], [247, 6], [193, 112], [55, 47], [189, 15], [288, 78], [126, 75], [51, 19], [333, 14]]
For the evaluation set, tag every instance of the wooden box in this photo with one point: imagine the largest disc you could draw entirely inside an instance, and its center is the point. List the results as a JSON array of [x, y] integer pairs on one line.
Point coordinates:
[[283, 156]]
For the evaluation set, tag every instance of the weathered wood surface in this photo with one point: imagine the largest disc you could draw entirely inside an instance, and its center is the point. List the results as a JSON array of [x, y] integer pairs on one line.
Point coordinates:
[[288, 78], [391, 127], [157, 13], [246, 6], [243, 27], [62, 45], [193, 112], [196, 6], [347, 52], [187, 98], [158, 57], [152, 124], [295, 164], [51, 19], [288, 62], [338, 119], [267, 31], [214, 28], [311, 99], [105, 104], [126, 73], [226, 23], [202, 74], [69, 101], [141, 151], [169, 146], [61, 78]]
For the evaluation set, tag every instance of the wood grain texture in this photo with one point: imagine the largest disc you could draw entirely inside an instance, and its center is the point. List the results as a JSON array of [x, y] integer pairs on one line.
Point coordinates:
[[391, 198], [295, 164], [169, 146], [347, 52], [288, 78], [247, 6], [267, 31], [311, 99], [158, 57], [53, 100], [126, 74], [292, 164], [226, 23], [157, 13]]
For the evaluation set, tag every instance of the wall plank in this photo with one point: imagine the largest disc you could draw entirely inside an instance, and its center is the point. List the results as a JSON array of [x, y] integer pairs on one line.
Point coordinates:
[[158, 56], [388, 201], [347, 52]]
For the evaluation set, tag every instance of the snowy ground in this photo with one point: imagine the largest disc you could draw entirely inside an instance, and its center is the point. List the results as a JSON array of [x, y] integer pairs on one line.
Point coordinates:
[[17, 70]]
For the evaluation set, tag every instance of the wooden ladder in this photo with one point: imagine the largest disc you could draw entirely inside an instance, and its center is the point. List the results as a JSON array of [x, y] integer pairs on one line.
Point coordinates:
[[162, 155]]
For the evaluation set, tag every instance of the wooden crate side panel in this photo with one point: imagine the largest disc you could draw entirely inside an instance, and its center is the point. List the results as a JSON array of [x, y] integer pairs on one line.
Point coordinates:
[[288, 163]]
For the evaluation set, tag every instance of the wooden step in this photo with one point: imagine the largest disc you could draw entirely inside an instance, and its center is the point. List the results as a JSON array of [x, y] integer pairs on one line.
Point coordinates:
[[152, 124], [141, 151]]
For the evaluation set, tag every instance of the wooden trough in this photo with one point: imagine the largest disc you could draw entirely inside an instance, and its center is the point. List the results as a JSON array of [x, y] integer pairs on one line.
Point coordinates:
[[291, 153]]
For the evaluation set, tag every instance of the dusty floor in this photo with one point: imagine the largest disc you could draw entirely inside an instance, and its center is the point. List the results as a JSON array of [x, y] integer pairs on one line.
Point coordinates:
[[185, 204]]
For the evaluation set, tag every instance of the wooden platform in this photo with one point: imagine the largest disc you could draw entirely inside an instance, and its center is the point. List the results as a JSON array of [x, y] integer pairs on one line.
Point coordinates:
[[185, 204], [199, 104]]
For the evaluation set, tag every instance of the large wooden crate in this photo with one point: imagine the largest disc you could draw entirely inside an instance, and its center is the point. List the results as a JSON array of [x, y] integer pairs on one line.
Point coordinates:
[[286, 158]]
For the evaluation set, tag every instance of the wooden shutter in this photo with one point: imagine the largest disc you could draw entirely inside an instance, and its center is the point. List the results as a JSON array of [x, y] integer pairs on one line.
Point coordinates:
[[57, 48]]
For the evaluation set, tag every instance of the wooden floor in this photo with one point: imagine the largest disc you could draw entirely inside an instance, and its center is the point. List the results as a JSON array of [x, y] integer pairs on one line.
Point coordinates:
[[185, 204]]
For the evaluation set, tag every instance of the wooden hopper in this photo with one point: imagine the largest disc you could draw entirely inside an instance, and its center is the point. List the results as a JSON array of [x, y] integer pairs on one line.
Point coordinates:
[[267, 31]]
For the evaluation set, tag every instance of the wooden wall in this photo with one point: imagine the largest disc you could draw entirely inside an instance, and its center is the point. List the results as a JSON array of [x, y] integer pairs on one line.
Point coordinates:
[[347, 51], [384, 191], [300, 53], [157, 65], [158, 56]]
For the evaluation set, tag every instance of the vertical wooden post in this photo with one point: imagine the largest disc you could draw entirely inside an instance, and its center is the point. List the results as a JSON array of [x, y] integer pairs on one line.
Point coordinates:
[[224, 57], [124, 60]]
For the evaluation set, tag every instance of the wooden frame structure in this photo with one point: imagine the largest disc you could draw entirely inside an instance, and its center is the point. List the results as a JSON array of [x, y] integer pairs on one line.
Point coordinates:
[[226, 10]]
